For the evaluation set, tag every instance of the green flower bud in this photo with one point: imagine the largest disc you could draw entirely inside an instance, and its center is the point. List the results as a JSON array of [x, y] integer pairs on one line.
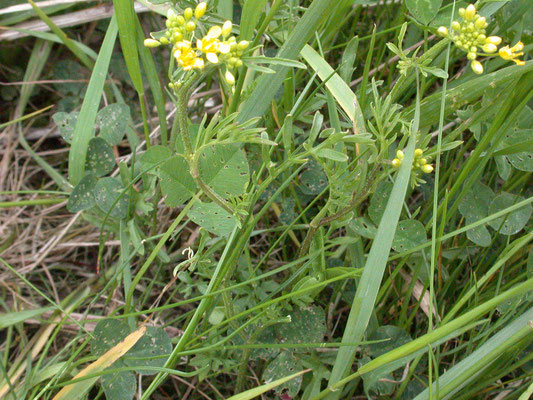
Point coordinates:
[[470, 12], [399, 155], [238, 63], [163, 40], [473, 49], [243, 44], [423, 161], [418, 152], [427, 168], [191, 26], [456, 26], [171, 14], [230, 79], [481, 23], [396, 163], [151, 43], [476, 67], [490, 48], [471, 56], [180, 20], [462, 12], [187, 14], [442, 31]]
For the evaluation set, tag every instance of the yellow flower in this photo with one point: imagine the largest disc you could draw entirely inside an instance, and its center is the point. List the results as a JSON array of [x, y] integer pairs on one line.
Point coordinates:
[[513, 53], [211, 46], [186, 56]]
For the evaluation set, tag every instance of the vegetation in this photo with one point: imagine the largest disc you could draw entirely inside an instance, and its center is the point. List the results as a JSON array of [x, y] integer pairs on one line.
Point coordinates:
[[239, 199]]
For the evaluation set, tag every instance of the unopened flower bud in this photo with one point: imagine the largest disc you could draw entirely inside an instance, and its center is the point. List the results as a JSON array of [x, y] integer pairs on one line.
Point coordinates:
[[471, 56], [200, 9], [238, 63], [442, 31], [480, 23], [462, 12], [476, 67], [187, 14], [396, 163], [490, 48], [243, 44], [456, 26], [191, 26], [151, 43], [230, 78], [399, 154], [180, 20], [171, 14], [495, 40], [418, 152], [470, 12], [163, 40], [226, 28], [427, 168], [423, 161]]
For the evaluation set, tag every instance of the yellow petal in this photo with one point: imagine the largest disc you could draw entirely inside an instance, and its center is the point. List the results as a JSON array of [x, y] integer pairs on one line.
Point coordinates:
[[212, 58], [224, 48], [214, 32]]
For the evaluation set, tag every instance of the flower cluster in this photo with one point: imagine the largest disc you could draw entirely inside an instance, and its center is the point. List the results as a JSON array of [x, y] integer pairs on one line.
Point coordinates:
[[470, 36], [218, 46], [419, 162]]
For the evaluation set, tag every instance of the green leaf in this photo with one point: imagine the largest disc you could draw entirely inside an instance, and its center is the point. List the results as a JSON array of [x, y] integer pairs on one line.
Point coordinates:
[[108, 333], [100, 157], [82, 196], [379, 200], [274, 61], [332, 155], [313, 179], [308, 325], [84, 130], [475, 206], [119, 385], [155, 155], [513, 222], [377, 382], [212, 217], [363, 227], [113, 121], [152, 350], [391, 336], [253, 393], [107, 191], [66, 123], [176, 181], [410, 233], [283, 365], [522, 160], [11, 318], [225, 169], [423, 10]]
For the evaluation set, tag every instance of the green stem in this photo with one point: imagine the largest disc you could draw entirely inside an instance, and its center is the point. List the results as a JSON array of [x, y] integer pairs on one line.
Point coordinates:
[[34, 202]]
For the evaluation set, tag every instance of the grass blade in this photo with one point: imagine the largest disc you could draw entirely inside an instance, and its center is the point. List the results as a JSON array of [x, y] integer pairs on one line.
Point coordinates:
[[84, 130]]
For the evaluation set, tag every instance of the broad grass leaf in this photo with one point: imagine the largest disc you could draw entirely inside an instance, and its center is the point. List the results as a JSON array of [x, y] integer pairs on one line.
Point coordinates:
[[107, 191], [423, 10], [212, 217], [66, 122], [283, 365], [83, 195], [379, 200], [113, 121], [513, 222], [152, 350], [410, 233], [176, 181], [225, 169], [100, 157]]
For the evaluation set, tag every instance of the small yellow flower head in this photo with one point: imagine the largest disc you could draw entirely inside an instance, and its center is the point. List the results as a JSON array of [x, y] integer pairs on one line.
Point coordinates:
[[226, 28], [229, 78], [495, 40], [470, 12], [200, 10], [396, 163], [427, 168], [209, 44], [476, 67], [186, 56], [512, 53], [442, 31], [490, 48], [151, 43], [399, 155], [187, 14]]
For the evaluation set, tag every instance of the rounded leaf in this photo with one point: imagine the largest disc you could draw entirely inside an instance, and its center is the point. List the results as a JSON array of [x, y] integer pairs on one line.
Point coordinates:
[[379, 200], [108, 333], [120, 385], [176, 181], [66, 122], [283, 365], [100, 157], [511, 223], [113, 121], [212, 218], [110, 197], [308, 325], [82, 196], [152, 350], [409, 233], [392, 336]]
